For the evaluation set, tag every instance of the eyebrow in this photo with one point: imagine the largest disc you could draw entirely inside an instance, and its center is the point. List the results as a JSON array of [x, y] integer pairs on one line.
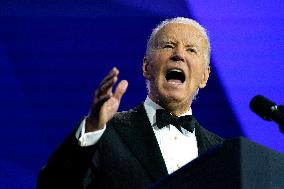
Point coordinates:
[[192, 45], [167, 41], [171, 41]]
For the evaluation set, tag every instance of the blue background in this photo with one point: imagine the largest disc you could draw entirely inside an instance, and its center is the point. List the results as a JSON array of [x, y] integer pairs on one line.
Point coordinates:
[[53, 55]]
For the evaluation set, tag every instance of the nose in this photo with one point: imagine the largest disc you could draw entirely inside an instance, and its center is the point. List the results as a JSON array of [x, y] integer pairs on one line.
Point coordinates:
[[178, 54]]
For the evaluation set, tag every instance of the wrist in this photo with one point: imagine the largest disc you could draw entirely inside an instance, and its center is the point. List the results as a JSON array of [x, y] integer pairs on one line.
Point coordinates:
[[92, 125]]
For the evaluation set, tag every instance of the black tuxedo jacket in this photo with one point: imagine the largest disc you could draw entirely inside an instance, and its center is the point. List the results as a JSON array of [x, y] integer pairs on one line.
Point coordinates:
[[127, 156]]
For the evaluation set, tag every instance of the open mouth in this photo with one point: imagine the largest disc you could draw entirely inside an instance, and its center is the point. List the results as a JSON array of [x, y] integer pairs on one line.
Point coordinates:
[[175, 76]]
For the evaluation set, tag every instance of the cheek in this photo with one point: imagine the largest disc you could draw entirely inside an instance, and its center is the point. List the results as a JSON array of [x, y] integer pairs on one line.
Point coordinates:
[[155, 68], [153, 72], [196, 73], [152, 69]]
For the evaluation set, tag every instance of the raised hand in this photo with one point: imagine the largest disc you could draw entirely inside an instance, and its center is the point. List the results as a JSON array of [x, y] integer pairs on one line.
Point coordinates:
[[105, 103]]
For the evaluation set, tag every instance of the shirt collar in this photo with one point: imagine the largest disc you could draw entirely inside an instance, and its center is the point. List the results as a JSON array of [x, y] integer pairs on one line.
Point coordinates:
[[151, 107]]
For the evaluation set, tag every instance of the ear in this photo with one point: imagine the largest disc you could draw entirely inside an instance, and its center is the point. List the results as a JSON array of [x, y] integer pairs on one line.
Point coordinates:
[[145, 68], [205, 77]]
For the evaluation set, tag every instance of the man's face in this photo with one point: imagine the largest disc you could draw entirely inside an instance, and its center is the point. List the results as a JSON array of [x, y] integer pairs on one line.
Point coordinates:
[[176, 67]]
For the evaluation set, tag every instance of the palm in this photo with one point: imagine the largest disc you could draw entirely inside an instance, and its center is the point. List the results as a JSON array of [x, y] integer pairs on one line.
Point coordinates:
[[105, 103], [109, 108]]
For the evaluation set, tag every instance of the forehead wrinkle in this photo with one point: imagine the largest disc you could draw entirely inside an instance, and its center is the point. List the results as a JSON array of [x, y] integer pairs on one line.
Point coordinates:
[[193, 38], [186, 43], [185, 38]]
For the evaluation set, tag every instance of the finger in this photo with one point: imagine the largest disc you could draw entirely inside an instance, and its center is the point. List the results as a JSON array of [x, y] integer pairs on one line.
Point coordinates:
[[120, 89], [101, 100], [107, 87], [110, 79], [113, 72], [104, 98]]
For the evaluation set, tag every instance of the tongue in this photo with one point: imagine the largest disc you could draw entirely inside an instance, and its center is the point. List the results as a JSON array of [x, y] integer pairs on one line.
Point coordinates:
[[175, 81]]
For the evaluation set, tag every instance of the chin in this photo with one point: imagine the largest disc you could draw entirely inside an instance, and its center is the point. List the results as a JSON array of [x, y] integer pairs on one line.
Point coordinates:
[[173, 97]]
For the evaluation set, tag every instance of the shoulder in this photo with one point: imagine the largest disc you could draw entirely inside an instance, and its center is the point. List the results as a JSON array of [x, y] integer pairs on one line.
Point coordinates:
[[128, 116]]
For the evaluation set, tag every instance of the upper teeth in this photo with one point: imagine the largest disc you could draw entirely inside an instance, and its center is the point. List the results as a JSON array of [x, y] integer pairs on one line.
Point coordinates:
[[175, 70]]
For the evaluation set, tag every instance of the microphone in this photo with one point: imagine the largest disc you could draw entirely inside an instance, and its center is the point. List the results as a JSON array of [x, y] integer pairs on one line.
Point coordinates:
[[268, 110]]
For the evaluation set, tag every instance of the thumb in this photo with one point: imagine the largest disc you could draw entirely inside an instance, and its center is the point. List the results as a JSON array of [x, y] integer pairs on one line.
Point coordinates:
[[120, 89]]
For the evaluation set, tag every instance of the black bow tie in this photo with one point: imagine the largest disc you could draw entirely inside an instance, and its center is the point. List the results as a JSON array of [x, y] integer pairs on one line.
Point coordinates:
[[164, 118]]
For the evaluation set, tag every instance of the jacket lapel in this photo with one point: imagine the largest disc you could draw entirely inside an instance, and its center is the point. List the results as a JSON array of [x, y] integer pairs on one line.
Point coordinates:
[[137, 133], [206, 140]]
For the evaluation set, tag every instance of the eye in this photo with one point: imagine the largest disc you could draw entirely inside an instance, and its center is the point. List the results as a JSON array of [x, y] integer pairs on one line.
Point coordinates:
[[168, 46], [193, 50]]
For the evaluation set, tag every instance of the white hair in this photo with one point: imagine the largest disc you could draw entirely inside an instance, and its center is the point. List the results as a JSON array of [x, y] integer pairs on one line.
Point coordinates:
[[180, 20]]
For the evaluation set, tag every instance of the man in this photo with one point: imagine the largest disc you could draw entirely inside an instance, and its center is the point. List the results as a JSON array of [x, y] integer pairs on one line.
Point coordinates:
[[136, 148]]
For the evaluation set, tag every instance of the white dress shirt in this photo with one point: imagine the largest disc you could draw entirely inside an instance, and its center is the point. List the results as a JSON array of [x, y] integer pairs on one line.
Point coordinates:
[[177, 148]]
